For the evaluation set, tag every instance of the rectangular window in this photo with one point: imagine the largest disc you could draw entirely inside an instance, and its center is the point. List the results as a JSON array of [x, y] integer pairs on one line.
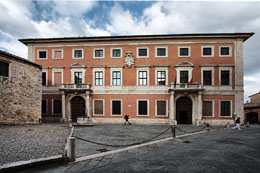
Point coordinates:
[[57, 78], [207, 108], [161, 78], [142, 78], [116, 53], [225, 108], [99, 53], [207, 51], [78, 77], [142, 52], [143, 107], [44, 78], [207, 77], [78, 53], [116, 81], [57, 54], [98, 107], [116, 107], [225, 51], [42, 54], [161, 108], [184, 51], [225, 77], [161, 52], [184, 77], [4, 69], [56, 106], [44, 106], [99, 78]]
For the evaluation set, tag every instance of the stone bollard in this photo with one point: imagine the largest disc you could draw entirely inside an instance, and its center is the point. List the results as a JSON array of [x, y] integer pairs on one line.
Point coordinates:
[[247, 124], [228, 125], [173, 129], [71, 149]]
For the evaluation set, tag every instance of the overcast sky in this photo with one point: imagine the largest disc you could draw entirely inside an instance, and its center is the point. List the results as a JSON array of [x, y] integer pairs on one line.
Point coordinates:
[[36, 19]]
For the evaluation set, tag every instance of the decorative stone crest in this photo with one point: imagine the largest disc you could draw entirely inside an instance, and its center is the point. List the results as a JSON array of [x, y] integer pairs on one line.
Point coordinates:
[[129, 59]]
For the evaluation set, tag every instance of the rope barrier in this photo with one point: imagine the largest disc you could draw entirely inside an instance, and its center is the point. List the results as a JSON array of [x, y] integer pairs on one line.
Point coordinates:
[[127, 145]]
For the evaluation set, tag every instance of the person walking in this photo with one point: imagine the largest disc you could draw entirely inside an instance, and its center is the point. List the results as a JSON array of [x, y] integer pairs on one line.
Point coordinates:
[[126, 120], [237, 124]]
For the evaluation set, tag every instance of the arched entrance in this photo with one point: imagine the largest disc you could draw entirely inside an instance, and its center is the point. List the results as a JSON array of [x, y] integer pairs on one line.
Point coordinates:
[[78, 107], [252, 117], [184, 110]]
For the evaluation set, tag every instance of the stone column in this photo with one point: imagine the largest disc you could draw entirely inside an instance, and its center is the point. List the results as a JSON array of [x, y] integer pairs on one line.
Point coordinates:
[[88, 105], [63, 106], [199, 108], [172, 120]]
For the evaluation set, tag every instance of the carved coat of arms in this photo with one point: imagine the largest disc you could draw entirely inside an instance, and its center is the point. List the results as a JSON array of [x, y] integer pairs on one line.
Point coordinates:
[[129, 59]]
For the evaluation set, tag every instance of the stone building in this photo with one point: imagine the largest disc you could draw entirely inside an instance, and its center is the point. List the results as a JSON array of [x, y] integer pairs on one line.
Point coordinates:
[[20, 90], [252, 109], [183, 78]]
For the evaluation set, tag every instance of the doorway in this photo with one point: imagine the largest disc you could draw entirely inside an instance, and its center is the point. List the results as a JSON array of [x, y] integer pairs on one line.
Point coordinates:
[[252, 117], [78, 107], [184, 110]]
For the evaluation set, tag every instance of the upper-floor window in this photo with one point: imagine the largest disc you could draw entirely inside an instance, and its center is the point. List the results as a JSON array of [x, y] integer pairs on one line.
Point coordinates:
[[207, 77], [225, 51], [161, 77], [161, 52], [225, 108], [99, 53], [42, 54], [78, 54], [57, 54], [207, 51], [184, 76], [78, 77], [142, 52], [99, 78], [142, 78], [225, 77], [184, 51], [116, 78], [44, 78], [116, 52], [57, 76], [4, 69]]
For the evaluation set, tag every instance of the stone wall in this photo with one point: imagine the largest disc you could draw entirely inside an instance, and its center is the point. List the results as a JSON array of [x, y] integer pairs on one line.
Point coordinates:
[[20, 93]]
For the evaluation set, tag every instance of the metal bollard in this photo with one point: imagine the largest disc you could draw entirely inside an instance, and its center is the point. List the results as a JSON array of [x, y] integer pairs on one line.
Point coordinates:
[[173, 129], [71, 149]]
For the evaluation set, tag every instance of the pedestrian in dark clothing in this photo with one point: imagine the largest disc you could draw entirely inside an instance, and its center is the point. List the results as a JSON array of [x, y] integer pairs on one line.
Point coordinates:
[[237, 124], [126, 120]]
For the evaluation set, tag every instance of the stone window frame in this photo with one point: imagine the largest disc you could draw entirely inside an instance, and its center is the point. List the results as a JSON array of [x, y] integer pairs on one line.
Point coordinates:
[[230, 77], [207, 56], [212, 69], [179, 69], [167, 109], [111, 107], [166, 75], [120, 69], [230, 109], [9, 69], [94, 55], [103, 100], [111, 52], [230, 51], [184, 56], [45, 71], [53, 53], [137, 106], [166, 52], [73, 53], [38, 54], [138, 69], [73, 70], [57, 70], [213, 107], [137, 52], [46, 107], [97, 69], [53, 107]]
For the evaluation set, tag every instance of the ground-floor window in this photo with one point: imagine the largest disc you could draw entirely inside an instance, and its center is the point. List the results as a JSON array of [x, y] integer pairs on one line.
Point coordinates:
[[98, 107], [56, 106], [161, 107], [207, 108], [225, 108], [142, 107], [116, 107], [44, 106]]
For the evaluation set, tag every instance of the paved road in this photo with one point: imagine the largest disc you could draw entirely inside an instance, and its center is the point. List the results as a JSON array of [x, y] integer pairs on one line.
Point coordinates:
[[223, 150]]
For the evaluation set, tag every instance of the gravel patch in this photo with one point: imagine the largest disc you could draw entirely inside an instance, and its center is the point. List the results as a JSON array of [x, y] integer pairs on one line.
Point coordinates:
[[25, 142]]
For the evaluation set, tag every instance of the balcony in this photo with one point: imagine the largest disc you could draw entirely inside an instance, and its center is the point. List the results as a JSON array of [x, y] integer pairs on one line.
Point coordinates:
[[186, 88], [75, 87]]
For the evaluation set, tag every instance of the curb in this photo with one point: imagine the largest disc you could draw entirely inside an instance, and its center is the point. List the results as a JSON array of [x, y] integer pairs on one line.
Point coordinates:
[[23, 165]]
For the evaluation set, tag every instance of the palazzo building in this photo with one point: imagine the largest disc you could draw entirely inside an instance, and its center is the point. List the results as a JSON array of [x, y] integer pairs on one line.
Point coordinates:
[[183, 78]]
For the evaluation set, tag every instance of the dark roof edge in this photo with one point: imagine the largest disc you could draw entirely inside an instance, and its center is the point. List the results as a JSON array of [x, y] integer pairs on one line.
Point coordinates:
[[244, 35], [9, 55]]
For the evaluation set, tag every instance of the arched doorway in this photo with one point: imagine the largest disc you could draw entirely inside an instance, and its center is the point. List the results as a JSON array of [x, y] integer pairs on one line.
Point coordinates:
[[184, 110], [252, 117], [78, 107]]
